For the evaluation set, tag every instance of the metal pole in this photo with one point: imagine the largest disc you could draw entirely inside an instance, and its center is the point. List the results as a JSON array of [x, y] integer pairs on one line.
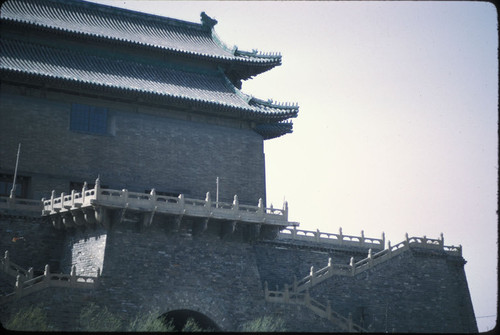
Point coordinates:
[[13, 190], [217, 194]]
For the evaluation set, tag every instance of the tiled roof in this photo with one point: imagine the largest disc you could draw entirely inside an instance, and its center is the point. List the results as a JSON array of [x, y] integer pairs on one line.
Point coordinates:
[[62, 65], [118, 24]]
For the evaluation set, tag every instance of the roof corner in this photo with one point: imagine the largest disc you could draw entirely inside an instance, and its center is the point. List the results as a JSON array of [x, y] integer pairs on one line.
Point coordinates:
[[207, 21]]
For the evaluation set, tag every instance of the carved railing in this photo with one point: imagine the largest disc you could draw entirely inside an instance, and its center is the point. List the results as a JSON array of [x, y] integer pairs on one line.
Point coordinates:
[[316, 277], [317, 236], [168, 204], [26, 283], [295, 293], [17, 204], [289, 297]]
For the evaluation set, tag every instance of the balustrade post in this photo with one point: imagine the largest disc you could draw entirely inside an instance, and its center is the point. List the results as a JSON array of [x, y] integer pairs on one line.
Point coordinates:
[[52, 196], [72, 198], [19, 285], [97, 186], [84, 189], [424, 240], [311, 274], [407, 240], [330, 266], [362, 237], [285, 210], [441, 241], [341, 237], [316, 235], [383, 240], [389, 247], [152, 195], [370, 257], [294, 232], [208, 201], [261, 206], [62, 200], [460, 249], [236, 203], [46, 273], [124, 196], [30, 273], [353, 266]]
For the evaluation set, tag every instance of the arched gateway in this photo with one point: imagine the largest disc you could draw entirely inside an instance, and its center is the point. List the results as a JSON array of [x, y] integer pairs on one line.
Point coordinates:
[[179, 318]]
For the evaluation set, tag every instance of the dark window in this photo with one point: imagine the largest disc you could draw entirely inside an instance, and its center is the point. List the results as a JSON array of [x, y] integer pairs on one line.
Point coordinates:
[[88, 119], [21, 185]]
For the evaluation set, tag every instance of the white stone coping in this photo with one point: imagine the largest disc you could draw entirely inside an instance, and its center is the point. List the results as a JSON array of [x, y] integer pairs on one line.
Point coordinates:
[[294, 234], [167, 204]]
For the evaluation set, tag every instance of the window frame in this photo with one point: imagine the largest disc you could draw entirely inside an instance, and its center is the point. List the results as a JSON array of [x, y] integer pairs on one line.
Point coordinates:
[[88, 119]]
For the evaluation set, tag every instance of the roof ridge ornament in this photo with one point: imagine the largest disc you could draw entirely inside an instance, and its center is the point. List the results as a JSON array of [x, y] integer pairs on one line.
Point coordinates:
[[207, 21]]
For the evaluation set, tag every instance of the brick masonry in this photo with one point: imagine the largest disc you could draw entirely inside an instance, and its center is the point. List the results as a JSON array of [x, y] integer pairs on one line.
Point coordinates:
[[158, 269], [145, 148]]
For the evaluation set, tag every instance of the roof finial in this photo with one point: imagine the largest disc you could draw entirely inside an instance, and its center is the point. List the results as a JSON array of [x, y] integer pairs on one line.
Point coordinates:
[[207, 20]]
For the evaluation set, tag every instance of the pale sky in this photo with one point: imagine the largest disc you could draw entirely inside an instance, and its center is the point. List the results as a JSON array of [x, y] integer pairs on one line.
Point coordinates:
[[397, 129]]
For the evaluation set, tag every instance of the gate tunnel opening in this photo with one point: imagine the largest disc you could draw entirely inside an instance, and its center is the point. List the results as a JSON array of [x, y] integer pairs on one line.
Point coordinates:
[[181, 316]]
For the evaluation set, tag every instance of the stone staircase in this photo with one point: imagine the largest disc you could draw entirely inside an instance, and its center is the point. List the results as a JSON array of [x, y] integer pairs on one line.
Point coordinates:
[[298, 291], [290, 297], [26, 283]]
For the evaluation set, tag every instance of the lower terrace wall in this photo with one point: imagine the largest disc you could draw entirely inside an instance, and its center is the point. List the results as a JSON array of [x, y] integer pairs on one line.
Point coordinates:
[[31, 242], [156, 269], [419, 291]]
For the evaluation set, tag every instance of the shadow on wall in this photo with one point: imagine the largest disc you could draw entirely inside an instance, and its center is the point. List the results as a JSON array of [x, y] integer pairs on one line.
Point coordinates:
[[180, 317]]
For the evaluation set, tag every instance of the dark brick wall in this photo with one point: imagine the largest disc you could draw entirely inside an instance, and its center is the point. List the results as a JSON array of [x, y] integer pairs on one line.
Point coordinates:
[[280, 262], [146, 147], [158, 269], [416, 291], [31, 242]]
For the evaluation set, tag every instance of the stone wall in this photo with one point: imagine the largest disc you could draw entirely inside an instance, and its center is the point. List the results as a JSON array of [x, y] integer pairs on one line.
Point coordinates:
[[145, 147], [31, 242], [159, 269], [416, 291]]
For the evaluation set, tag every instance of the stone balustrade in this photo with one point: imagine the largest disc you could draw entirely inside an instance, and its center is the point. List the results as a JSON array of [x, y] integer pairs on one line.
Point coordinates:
[[298, 292], [325, 311], [11, 268], [315, 277], [166, 204], [26, 283], [294, 234]]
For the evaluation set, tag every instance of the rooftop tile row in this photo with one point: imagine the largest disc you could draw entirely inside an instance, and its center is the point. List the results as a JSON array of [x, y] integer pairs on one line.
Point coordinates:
[[208, 87], [124, 25]]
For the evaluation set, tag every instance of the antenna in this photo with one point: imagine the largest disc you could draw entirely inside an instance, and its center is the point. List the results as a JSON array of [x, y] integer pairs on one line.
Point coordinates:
[[13, 190]]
